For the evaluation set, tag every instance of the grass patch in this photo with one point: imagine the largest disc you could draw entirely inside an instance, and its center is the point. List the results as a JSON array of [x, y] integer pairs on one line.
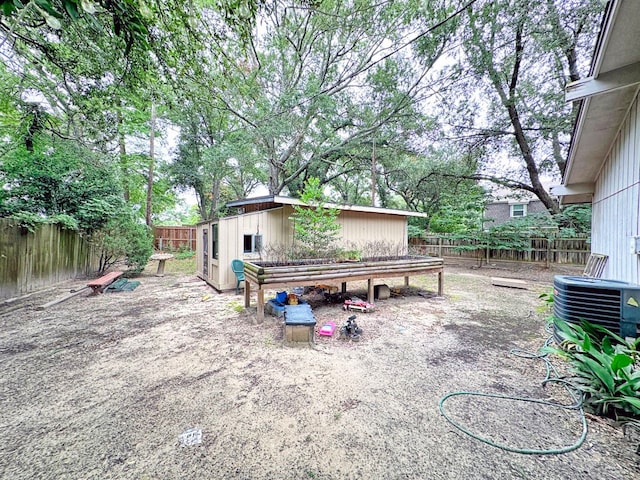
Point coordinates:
[[181, 266]]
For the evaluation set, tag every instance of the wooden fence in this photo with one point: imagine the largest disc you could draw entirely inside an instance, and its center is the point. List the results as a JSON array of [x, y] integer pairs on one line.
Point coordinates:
[[51, 254], [174, 238], [573, 251]]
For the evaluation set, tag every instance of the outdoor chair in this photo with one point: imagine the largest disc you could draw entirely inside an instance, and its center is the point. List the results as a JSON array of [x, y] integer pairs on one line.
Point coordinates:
[[238, 268], [595, 265]]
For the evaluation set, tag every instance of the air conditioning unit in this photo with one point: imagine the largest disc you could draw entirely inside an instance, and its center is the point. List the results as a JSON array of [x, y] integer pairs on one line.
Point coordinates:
[[612, 304]]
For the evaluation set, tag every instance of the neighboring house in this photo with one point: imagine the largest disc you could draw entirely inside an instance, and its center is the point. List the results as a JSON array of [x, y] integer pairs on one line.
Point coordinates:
[[265, 221], [499, 212], [604, 157]]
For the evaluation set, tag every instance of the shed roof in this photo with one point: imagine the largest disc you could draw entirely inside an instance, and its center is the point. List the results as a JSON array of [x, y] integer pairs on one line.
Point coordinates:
[[606, 96], [273, 201]]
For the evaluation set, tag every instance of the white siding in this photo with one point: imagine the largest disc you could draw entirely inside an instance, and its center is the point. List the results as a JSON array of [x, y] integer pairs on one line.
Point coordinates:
[[616, 203]]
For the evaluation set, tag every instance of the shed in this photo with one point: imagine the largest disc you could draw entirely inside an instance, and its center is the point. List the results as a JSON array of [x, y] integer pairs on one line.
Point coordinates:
[[604, 156], [264, 221]]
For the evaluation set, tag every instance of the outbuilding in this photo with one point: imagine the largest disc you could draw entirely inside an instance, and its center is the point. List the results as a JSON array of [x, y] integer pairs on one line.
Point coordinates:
[[264, 222]]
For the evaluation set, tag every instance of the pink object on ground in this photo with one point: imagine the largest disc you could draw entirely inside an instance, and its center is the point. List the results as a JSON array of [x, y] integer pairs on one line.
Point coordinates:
[[327, 329]]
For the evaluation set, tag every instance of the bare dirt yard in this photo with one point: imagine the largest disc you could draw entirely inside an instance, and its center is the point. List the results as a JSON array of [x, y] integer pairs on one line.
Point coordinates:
[[102, 387]]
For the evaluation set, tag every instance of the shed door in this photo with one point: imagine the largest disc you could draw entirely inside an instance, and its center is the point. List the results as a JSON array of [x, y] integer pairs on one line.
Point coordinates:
[[205, 253]]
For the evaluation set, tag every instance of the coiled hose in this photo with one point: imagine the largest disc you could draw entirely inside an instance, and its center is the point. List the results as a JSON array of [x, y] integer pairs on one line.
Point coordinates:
[[552, 376]]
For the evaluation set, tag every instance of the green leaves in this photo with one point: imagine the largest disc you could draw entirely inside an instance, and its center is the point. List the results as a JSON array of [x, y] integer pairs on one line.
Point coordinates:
[[606, 367], [315, 226], [58, 181]]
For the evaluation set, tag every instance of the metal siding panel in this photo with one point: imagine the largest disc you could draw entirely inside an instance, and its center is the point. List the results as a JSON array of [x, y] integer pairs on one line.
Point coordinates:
[[616, 203], [360, 229]]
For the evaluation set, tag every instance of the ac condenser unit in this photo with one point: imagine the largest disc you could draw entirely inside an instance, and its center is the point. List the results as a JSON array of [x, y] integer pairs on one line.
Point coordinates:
[[612, 304]]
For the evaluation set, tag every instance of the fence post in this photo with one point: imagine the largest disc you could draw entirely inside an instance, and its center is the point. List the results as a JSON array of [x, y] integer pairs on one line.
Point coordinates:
[[160, 244], [548, 262], [440, 247]]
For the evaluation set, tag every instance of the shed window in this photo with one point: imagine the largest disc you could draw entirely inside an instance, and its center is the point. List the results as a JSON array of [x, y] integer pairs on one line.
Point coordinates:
[[518, 210], [214, 240], [252, 243]]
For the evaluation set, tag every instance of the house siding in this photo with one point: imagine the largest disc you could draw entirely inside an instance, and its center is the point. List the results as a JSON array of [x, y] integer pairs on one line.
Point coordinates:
[[497, 213], [616, 200]]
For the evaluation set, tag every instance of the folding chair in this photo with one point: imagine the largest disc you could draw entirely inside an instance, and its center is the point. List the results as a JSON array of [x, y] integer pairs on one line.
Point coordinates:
[[595, 265]]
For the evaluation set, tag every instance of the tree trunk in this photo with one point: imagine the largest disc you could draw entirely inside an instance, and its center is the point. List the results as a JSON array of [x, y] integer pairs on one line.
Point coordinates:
[[373, 174], [151, 164], [122, 149]]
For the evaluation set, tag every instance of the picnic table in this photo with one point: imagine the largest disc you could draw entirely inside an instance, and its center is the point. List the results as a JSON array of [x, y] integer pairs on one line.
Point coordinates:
[[161, 258]]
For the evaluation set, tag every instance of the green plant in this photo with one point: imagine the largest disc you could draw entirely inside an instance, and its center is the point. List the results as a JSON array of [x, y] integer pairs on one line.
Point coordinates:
[[482, 241], [547, 298], [315, 226], [124, 239], [180, 255], [606, 367], [349, 255]]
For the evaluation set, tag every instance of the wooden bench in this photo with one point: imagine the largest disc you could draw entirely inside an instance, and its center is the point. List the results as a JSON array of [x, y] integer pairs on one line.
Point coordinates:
[[99, 284]]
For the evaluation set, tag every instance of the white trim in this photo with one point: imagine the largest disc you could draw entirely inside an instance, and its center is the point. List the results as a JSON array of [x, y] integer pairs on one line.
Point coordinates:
[[622, 77], [575, 189], [524, 210], [282, 200]]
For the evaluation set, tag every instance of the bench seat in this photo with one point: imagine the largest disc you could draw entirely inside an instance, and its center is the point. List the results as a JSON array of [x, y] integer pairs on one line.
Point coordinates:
[[99, 284]]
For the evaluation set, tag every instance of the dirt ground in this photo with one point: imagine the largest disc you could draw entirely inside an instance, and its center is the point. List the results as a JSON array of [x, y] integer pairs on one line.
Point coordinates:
[[101, 387]]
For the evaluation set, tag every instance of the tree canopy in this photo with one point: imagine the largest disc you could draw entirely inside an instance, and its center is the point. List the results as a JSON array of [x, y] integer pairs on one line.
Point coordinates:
[[405, 104]]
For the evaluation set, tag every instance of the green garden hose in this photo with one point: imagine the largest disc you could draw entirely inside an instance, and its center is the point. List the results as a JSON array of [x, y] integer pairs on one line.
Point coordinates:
[[552, 376]]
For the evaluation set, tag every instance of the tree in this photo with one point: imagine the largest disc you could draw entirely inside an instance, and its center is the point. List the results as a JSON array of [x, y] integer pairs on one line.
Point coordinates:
[[522, 54], [322, 79], [57, 176], [215, 156], [434, 179], [123, 237], [315, 226], [459, 212]]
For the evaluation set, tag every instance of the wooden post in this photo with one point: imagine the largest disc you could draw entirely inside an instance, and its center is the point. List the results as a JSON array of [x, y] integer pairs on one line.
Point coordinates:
[[60, 300], [344, 287], [406, 281], [247, 294], [441, 283], [548, 262], [370, 294], [260, 304]]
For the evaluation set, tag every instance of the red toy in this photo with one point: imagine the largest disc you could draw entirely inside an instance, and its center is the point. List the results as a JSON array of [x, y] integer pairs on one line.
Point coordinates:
[[359, 305]]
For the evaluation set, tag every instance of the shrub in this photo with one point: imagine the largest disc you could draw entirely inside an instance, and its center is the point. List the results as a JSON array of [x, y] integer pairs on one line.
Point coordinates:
[[124, 239], [606, 367]]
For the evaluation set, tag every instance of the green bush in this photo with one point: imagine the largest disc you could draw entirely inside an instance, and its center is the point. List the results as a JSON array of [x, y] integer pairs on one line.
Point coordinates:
[[606, 367], [126, 240]]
